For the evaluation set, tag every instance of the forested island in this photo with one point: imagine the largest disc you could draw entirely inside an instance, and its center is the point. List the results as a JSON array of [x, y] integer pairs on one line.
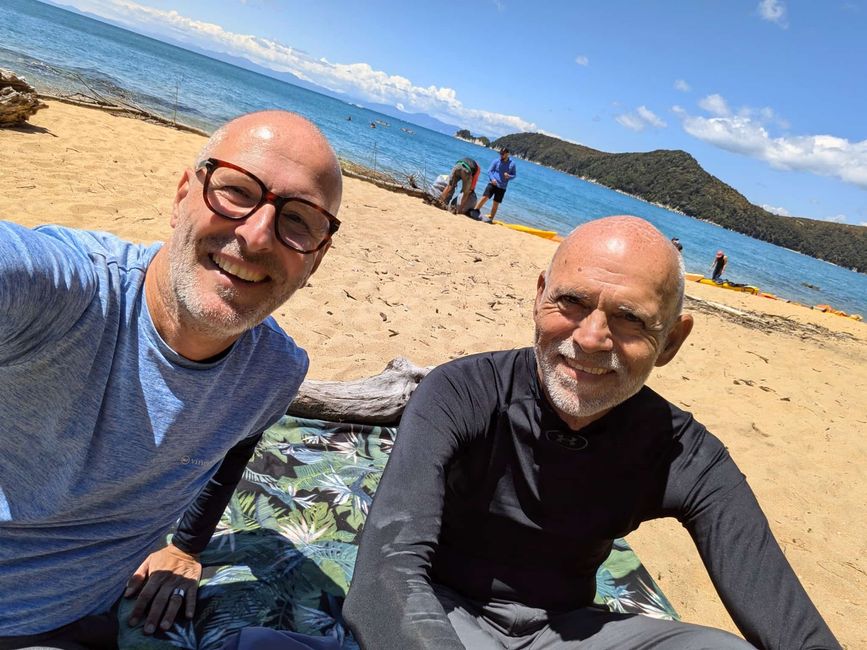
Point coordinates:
[[464, 134], [674, 179]]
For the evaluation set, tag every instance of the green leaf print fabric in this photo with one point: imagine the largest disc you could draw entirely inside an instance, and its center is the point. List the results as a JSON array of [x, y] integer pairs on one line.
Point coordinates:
[[283, 553]]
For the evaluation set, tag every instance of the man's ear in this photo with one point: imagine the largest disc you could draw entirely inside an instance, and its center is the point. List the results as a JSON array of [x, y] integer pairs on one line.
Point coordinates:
[[181, 193], [679, 331], [540, 292]]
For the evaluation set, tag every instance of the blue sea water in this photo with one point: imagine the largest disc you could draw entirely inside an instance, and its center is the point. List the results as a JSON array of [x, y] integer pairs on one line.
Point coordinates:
[[58, 51]]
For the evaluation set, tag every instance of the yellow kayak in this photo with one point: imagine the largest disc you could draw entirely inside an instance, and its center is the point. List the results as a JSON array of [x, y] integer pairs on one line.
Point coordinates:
[[545, 234], [743, 288]]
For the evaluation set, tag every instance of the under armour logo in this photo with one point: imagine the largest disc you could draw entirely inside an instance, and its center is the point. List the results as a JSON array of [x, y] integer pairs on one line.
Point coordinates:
[[571, 441]]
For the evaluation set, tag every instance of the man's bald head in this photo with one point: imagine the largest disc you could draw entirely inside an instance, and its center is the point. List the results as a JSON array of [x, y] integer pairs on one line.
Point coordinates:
[[607, 313], [288, 134], [221, 274], [634, 240]]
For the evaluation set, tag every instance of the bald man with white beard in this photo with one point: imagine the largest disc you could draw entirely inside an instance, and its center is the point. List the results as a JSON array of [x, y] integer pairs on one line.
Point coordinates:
[[514, 472]]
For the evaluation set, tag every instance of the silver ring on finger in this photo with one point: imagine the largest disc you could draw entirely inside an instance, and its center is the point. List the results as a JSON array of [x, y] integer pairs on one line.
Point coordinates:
[[179, 592]]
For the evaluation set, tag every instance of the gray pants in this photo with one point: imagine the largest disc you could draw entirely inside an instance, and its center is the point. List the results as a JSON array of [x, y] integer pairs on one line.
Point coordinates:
[[498, 625]]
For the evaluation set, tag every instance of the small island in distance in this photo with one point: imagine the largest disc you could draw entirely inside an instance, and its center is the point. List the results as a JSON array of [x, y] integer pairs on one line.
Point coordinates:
[[675, 180], [464, 134]]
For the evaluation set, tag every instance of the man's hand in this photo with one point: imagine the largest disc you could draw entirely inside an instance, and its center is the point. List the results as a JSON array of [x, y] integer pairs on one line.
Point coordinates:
[[166, 580]]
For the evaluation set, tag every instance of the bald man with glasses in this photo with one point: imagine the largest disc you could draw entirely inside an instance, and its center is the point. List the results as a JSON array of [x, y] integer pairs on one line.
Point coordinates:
[[136, 380]]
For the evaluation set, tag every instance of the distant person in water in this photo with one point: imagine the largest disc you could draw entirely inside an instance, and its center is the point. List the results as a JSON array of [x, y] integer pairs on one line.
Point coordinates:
[[501, 171], [677, 244], [718, 266]]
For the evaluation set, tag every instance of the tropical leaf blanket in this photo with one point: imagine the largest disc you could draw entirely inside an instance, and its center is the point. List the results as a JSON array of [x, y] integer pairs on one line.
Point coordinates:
[[283, 554]]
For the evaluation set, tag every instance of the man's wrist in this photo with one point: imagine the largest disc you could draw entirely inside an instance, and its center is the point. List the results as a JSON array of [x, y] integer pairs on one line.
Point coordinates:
[[183, 548]]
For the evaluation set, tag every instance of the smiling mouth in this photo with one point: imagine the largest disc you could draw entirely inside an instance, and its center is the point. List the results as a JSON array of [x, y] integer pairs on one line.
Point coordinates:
[[590, 370], [230, 268]]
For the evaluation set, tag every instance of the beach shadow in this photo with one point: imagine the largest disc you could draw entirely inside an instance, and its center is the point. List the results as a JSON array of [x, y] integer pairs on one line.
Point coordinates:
[[30, 128]]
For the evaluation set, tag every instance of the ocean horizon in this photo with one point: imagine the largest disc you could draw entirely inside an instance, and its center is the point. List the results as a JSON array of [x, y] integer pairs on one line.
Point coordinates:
[[62, 52]]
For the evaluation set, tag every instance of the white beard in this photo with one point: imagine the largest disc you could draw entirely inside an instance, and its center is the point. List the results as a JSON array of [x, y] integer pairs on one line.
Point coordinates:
[[568, 394]]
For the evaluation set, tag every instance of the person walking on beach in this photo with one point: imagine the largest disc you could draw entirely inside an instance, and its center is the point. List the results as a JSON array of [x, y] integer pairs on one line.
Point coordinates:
[[718, 266], [514, 471], [135, 382], [501, 171], [465, 171]]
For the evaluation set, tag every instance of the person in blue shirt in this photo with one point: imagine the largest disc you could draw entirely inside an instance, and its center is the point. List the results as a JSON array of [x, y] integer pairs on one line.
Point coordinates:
[[501, 171], [136, 380]]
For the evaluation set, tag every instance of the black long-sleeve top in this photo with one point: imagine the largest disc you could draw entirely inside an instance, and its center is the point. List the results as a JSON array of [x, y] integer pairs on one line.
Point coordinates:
[[489, 492], [200, 520]]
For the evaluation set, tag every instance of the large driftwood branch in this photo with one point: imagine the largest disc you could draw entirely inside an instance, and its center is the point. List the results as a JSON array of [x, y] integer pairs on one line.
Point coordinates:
[[373, 400], [18, 100]]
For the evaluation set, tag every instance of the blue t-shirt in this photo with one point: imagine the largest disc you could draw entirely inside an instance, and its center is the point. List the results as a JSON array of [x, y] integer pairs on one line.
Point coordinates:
[[106, 434], [498, 168]]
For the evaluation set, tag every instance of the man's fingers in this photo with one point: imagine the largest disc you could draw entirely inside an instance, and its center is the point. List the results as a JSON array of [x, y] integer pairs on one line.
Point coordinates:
[[191, 599], [136, 580], [175, 601], [134, 584], [158, 606], [144, 598]]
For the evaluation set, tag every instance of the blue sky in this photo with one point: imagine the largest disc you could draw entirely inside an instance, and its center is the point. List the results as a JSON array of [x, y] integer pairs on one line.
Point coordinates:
[[767, 95]]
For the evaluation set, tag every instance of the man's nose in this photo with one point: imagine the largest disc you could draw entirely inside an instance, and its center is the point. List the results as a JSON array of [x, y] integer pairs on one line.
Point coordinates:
[[257, 230], [592, 333]]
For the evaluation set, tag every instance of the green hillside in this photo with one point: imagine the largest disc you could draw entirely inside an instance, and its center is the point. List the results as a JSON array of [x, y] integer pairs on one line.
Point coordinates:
[[674, 179]]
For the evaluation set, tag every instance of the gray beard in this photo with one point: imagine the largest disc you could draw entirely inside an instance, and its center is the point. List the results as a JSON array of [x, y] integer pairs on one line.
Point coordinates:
[[564, 390], [194, 312]]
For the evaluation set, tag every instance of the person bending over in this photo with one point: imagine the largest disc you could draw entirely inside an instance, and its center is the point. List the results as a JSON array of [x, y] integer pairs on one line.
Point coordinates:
[[514, 471], [136, 380], [465, 172]]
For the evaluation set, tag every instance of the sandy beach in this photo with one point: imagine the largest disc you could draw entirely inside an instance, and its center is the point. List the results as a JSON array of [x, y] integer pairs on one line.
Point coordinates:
[[783, 386]]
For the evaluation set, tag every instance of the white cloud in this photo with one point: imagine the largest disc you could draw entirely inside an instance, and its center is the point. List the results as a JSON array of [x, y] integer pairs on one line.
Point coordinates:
[[773, 11], [715, 104], [775, 210], [631, 122], [581, 59], [825, 155], [640, 119], [650, 117], [682, 86], [354, 79]]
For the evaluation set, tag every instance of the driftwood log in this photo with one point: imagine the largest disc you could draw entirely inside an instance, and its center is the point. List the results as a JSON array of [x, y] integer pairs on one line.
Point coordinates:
[[372, 400], [18, 99]]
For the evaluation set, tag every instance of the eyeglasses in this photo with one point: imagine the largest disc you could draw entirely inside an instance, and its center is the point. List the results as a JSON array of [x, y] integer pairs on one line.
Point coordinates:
[[235, 193]]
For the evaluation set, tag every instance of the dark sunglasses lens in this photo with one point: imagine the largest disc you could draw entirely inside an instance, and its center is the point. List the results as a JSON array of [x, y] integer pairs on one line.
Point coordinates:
[[302, 226], [232, 193]]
